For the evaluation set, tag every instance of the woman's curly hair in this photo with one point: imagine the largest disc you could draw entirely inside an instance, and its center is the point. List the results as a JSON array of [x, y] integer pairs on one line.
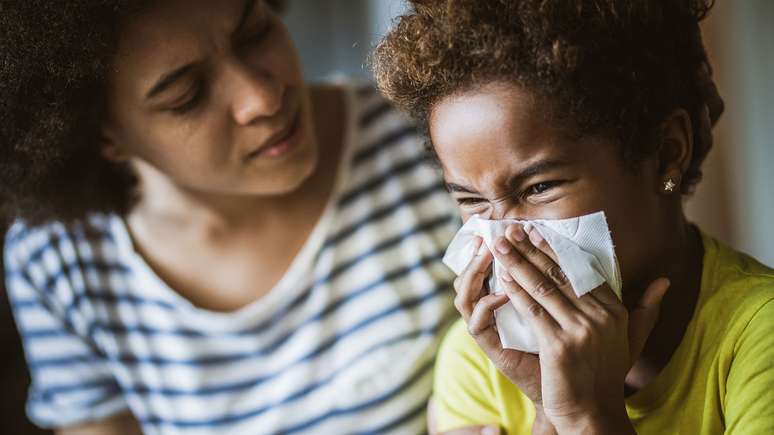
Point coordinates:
[[54, 60], [616, 67]]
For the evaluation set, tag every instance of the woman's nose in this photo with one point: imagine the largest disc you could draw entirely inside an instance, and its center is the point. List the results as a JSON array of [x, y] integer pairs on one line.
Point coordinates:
[[255, 94]]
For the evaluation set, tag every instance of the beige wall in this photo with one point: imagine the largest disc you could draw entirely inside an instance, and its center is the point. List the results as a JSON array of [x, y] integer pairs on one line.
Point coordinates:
[[736, 199]]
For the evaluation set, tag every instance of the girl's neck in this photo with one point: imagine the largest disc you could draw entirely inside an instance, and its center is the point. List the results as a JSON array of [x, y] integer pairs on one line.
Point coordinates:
[[682, 263]]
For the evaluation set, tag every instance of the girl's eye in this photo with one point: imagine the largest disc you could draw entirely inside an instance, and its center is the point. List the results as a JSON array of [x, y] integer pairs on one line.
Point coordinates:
[[469, 201], [537, 189]]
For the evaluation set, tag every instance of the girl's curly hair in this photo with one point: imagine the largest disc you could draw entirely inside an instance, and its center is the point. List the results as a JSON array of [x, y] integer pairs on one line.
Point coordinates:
[[54, 59], [617, 67]]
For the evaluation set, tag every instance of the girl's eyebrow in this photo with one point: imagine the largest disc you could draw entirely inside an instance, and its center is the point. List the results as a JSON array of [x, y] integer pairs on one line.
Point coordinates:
[[535, 169], [453, 187], [518, 179]]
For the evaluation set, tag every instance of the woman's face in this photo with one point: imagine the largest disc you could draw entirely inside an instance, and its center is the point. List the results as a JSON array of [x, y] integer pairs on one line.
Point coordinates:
[[502, 158], [211, 95]]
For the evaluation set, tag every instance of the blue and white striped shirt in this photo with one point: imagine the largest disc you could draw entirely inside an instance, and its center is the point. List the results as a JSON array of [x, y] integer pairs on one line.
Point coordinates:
[[344, 343]]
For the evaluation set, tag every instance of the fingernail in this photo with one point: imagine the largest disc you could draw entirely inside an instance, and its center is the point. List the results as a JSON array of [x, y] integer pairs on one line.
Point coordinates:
[[490, 430], [505, 276], [518, 233], [503, 246], [535, 237], [667, 285]]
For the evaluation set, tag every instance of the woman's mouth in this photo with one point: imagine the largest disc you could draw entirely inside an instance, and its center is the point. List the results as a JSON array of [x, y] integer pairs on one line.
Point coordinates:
[[282, 144]]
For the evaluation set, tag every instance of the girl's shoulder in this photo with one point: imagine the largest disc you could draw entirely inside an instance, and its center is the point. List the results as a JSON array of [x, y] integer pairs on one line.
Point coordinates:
[[387, 181], [734, 281], [736, 300]]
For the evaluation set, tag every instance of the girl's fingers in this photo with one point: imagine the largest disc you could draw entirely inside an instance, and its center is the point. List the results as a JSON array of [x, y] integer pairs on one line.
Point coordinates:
[[539, 242], [481, 324], [543, 324], [542, 289], [604, 295], [477, 243], [482, 317], [643, 318], [470, 284], [550, 265], [535, 249]]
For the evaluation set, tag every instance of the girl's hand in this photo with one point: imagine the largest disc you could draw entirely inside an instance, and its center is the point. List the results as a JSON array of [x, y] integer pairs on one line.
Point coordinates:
[[477, 308], [587, 344]]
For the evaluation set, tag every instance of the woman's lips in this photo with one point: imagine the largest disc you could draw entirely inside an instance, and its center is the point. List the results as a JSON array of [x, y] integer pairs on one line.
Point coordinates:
[[282, 145]]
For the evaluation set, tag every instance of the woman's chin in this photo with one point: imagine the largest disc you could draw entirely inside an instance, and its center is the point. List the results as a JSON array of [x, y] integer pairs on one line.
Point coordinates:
[[284, 180]]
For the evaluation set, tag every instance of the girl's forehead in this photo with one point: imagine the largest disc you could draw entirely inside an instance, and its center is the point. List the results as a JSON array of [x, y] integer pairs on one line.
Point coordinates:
[[492, 126]]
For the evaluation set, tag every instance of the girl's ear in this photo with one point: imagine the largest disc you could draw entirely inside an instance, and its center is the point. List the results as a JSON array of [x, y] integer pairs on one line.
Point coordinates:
[[676, 150]]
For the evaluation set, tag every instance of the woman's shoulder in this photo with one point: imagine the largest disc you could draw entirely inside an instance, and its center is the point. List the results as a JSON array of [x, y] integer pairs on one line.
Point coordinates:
[[379, 132], [386, 177], [43, 251], [379, 140]]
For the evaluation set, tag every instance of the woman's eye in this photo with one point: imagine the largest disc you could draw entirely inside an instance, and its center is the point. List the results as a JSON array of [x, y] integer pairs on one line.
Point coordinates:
[[189, 104], [259, 35]]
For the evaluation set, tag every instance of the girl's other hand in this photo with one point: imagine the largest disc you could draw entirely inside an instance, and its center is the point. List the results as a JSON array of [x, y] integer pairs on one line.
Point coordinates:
[[477, 308]]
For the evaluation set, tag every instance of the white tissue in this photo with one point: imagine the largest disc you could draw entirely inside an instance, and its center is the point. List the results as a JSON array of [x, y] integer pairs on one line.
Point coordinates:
[[584, 250]]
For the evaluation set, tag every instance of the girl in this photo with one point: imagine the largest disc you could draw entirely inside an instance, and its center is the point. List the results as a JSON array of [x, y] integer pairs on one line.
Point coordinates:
[[204, 243], [556, 109]]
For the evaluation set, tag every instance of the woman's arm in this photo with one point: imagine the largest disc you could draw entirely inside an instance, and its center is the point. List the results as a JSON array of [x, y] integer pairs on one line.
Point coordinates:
[[124, 424]]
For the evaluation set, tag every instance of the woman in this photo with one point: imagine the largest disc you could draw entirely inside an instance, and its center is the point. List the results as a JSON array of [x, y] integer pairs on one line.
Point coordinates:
[[204, 244], [552, 110]]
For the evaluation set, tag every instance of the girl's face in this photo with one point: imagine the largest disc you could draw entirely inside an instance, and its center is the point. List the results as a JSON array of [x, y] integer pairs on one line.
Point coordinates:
[[502, 158], [211, 96]]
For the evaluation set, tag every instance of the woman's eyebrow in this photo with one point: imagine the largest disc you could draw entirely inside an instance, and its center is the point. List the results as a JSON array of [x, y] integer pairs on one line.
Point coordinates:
[[249, 6], [166, 80]]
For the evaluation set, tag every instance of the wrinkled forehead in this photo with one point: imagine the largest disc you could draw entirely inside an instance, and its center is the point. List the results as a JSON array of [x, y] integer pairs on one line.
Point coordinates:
[[165, 34], [170, 22], [487, 132]]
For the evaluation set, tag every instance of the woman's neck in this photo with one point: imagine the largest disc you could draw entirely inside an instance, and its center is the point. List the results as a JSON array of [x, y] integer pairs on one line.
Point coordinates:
[[165, 203]]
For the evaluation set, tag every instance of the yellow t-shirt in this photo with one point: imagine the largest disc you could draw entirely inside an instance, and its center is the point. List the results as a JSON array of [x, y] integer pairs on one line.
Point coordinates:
[[720, 379]]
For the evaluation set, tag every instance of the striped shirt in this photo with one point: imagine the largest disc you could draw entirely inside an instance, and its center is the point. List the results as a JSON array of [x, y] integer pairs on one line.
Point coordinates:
[[344, 343]]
